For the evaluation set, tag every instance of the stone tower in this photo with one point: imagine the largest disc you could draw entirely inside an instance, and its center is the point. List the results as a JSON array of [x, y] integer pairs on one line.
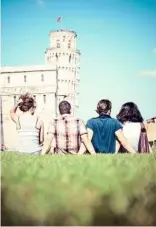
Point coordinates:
[[63, 52]]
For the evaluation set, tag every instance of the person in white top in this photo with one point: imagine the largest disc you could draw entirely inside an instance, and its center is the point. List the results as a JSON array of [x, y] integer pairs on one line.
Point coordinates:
[[131, 118], [30, 128]]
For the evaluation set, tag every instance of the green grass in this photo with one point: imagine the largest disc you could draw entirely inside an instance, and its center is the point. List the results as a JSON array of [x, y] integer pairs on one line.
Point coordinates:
[[78, 190]]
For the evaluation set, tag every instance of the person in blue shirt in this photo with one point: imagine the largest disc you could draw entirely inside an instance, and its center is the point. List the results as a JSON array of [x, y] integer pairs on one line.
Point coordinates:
[[104, 130]]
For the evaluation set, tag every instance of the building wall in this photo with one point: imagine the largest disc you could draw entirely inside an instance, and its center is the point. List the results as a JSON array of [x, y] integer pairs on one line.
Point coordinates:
[[40, 82]]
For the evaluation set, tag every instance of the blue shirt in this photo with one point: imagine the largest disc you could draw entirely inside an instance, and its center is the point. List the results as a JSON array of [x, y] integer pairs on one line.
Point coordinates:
[[104, 128]]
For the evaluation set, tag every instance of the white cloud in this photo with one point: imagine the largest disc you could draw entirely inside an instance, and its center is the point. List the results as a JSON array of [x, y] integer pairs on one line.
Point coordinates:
[[40, 2], [154, 50], [151, 73]]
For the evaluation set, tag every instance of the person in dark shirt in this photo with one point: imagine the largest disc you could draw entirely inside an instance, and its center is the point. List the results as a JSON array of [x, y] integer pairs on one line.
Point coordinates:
[[104, 130]]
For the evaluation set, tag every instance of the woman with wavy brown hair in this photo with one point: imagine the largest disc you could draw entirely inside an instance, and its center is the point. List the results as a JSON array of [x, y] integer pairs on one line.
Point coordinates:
[[133, 124], [30, 128]]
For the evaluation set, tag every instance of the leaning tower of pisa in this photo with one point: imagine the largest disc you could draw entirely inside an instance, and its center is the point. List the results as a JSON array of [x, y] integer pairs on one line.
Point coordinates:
[[64, 53]]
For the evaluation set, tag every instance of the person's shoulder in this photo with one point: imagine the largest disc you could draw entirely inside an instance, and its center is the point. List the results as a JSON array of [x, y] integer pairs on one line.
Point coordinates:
[[93, 119], [78, 119], [115, 121]]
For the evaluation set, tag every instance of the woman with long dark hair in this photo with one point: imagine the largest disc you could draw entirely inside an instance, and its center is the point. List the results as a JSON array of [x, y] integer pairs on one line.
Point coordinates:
[[30, 128], [132, 120]]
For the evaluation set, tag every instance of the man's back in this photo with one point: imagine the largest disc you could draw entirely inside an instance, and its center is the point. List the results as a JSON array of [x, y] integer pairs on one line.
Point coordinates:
[[67, 132], [104, 128]]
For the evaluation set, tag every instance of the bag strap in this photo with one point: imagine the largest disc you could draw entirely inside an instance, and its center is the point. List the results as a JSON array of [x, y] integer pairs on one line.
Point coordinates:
[[143, 128], [56, 133], [78, 134], [67, 135], [143, 131]]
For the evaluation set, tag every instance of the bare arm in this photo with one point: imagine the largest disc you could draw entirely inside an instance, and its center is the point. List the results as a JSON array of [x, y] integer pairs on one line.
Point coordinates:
[[124, 141], [13, 112], [41, 133], [87, 144], [47, 143], [117, 147], [82, 149], [150, 149]]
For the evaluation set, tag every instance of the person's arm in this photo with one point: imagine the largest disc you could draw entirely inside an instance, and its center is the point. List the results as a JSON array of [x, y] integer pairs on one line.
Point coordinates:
[[117, 147], [150, 149], [123, 141], [13, 111], [86, 137], [48, 139], [40, 126], [87, 144], [47, 143], [83, 149], [41, 139]]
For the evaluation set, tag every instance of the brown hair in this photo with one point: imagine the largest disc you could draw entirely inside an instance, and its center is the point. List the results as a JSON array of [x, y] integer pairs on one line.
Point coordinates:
[[104, 106], [64, 107], [129, 112], [27, 103]]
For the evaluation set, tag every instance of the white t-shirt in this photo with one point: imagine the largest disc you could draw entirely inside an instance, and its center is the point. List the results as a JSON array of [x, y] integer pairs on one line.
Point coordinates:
[[132, 131]]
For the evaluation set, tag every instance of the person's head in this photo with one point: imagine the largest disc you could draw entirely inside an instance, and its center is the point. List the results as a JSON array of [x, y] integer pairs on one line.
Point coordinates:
[[27, 104], [104, 106], [129, 112], [64, 107]]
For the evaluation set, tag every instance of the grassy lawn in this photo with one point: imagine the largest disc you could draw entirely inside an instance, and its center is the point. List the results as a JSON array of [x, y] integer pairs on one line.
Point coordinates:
[[78, 190]]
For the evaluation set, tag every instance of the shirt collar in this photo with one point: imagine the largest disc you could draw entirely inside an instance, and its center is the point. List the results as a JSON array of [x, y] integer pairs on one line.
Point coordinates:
[[104, 116], [65, 115]]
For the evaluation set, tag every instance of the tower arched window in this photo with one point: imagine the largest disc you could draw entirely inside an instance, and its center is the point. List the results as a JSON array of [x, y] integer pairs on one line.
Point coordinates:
[[70, 58], [44, 99], [25, 78], [69, 45], [64, 38], [42, 78], [14, 99], [58, 45], [8, 79], [56, 56]]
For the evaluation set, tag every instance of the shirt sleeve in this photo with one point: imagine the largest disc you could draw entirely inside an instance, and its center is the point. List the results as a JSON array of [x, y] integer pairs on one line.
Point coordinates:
[[90, 125], [118, 125], [51, 128], [83, 129]]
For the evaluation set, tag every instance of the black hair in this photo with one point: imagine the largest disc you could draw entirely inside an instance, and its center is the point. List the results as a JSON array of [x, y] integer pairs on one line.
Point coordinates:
[[64, 107]]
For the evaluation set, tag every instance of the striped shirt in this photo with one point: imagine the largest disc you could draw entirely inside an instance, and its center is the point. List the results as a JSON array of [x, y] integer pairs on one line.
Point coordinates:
[[67, 133]]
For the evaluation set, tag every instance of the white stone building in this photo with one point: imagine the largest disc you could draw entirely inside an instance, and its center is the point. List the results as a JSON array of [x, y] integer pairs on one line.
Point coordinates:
[[50, 83]]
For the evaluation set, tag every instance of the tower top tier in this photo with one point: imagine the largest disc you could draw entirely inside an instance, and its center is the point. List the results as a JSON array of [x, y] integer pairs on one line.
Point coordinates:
[[64, 39], [62, 32]]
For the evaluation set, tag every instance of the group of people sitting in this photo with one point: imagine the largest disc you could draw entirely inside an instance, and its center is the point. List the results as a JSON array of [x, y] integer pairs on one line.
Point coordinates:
[[69, 135]]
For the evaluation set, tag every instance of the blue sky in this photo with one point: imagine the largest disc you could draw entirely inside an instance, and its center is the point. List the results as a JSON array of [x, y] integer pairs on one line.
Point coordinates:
[[117, 39]]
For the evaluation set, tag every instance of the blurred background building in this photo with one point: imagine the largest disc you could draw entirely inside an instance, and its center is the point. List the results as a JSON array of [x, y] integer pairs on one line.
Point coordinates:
[[56, 80]]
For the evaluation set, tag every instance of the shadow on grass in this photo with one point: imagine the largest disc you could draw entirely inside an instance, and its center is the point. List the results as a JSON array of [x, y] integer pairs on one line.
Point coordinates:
[[141, 210]]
